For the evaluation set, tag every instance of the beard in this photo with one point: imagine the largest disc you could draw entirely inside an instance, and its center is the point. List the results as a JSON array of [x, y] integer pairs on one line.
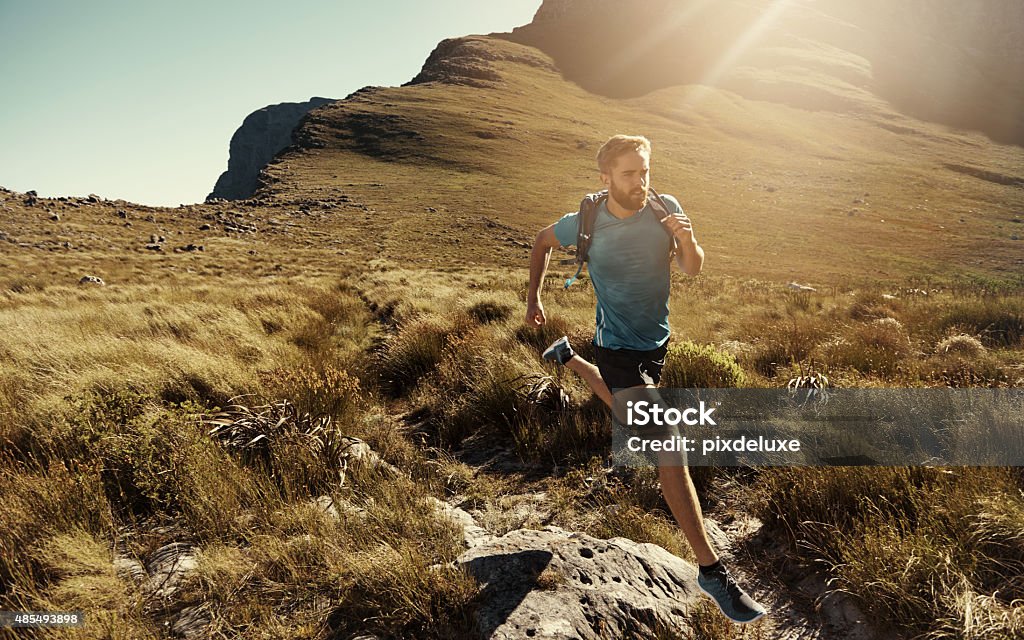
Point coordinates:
[[632, 200]]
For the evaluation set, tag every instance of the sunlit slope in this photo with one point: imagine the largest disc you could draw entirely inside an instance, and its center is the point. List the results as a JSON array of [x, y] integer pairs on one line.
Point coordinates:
[[492, 135]]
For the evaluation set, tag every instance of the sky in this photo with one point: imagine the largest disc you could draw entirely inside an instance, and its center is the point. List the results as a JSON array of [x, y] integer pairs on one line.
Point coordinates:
[[138, 100]]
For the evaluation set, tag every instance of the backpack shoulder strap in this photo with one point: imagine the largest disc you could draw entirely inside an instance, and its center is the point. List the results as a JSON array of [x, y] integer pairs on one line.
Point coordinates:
[[585, 222], [661, 211]]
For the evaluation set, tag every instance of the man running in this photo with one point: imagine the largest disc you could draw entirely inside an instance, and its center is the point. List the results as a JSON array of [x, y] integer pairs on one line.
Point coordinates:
[[630, 258]]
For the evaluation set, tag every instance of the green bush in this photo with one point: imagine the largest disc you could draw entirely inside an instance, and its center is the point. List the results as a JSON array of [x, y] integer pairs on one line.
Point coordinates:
[[692, 366]]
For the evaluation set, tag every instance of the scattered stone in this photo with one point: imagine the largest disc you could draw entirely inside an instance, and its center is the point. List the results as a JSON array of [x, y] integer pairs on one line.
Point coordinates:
[[191, 623], [189, 247], [431, 210], [55, 217], [121, 213], [154, 247], [151, 218], [204, 227], [93, 198], [472, 533], [168, 565], [92, 280]]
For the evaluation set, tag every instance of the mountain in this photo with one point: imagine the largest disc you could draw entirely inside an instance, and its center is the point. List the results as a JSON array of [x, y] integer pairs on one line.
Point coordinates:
[[789, 157], [946, 61], [263, 134]]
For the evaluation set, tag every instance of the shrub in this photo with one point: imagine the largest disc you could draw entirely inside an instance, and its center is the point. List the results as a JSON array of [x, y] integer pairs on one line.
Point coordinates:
[[317, 390], [960, 344], [869, 305], [879, 347], [488, 311], [780, 344], [412, 353], [999, 321], [539, 338], [692, 366]]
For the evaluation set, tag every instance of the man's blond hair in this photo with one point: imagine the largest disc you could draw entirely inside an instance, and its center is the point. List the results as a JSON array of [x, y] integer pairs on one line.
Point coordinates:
[[618, 145]]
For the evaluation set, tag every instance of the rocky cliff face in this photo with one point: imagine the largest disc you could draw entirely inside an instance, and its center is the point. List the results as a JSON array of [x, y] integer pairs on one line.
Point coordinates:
[[262, 135], [947, 61]]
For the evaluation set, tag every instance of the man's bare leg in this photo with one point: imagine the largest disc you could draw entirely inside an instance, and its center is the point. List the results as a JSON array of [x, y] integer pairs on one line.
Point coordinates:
[[592, 376], [674, 475]]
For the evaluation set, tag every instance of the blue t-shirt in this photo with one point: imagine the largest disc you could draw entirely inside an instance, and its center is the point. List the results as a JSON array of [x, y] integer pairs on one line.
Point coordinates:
[[630, 267]]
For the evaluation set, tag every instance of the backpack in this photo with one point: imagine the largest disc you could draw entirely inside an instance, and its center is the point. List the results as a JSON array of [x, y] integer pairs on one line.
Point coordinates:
[[585, 227]]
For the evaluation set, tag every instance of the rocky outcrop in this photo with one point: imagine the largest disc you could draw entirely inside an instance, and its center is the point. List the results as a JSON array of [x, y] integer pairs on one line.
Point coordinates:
[[554, 583], [263, 134], [468, 61]]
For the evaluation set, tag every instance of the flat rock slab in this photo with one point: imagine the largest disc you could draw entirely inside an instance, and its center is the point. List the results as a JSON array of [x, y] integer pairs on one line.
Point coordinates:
[[553, 583]]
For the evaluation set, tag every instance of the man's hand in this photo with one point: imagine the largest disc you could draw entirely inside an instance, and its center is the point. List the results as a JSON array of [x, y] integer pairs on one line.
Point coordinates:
[[535, 314], [680, 227]]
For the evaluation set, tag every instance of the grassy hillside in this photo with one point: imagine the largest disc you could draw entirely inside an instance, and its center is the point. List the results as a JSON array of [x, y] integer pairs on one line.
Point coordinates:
[[775, 192]]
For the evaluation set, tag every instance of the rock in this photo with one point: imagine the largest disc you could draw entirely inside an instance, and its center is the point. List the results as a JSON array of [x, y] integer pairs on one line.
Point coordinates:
[[556, 584], [263, 134], [154, 247], [204, 227], [92, 280], [31, 193], [168, 566], [93, 198], [55, 217], [121, 213], [472, 533], [191, 622], [354, 450], [800, 287]]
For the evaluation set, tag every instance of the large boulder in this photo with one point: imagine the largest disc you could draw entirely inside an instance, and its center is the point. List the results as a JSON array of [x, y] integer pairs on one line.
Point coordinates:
[[554, 583]]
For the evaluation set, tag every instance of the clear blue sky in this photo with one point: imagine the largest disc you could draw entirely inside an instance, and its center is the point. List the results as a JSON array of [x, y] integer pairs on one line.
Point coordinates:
[[138, 100]]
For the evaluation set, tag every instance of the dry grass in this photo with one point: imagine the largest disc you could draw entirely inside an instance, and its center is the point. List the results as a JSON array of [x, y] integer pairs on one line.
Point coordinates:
[[354, 300]]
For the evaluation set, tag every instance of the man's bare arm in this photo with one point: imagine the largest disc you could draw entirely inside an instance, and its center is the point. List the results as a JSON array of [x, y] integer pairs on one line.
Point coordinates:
[[539, 258], [689, 257]]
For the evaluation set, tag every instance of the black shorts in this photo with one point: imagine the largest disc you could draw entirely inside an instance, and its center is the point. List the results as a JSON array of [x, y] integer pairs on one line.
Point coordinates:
[[625, 368]]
